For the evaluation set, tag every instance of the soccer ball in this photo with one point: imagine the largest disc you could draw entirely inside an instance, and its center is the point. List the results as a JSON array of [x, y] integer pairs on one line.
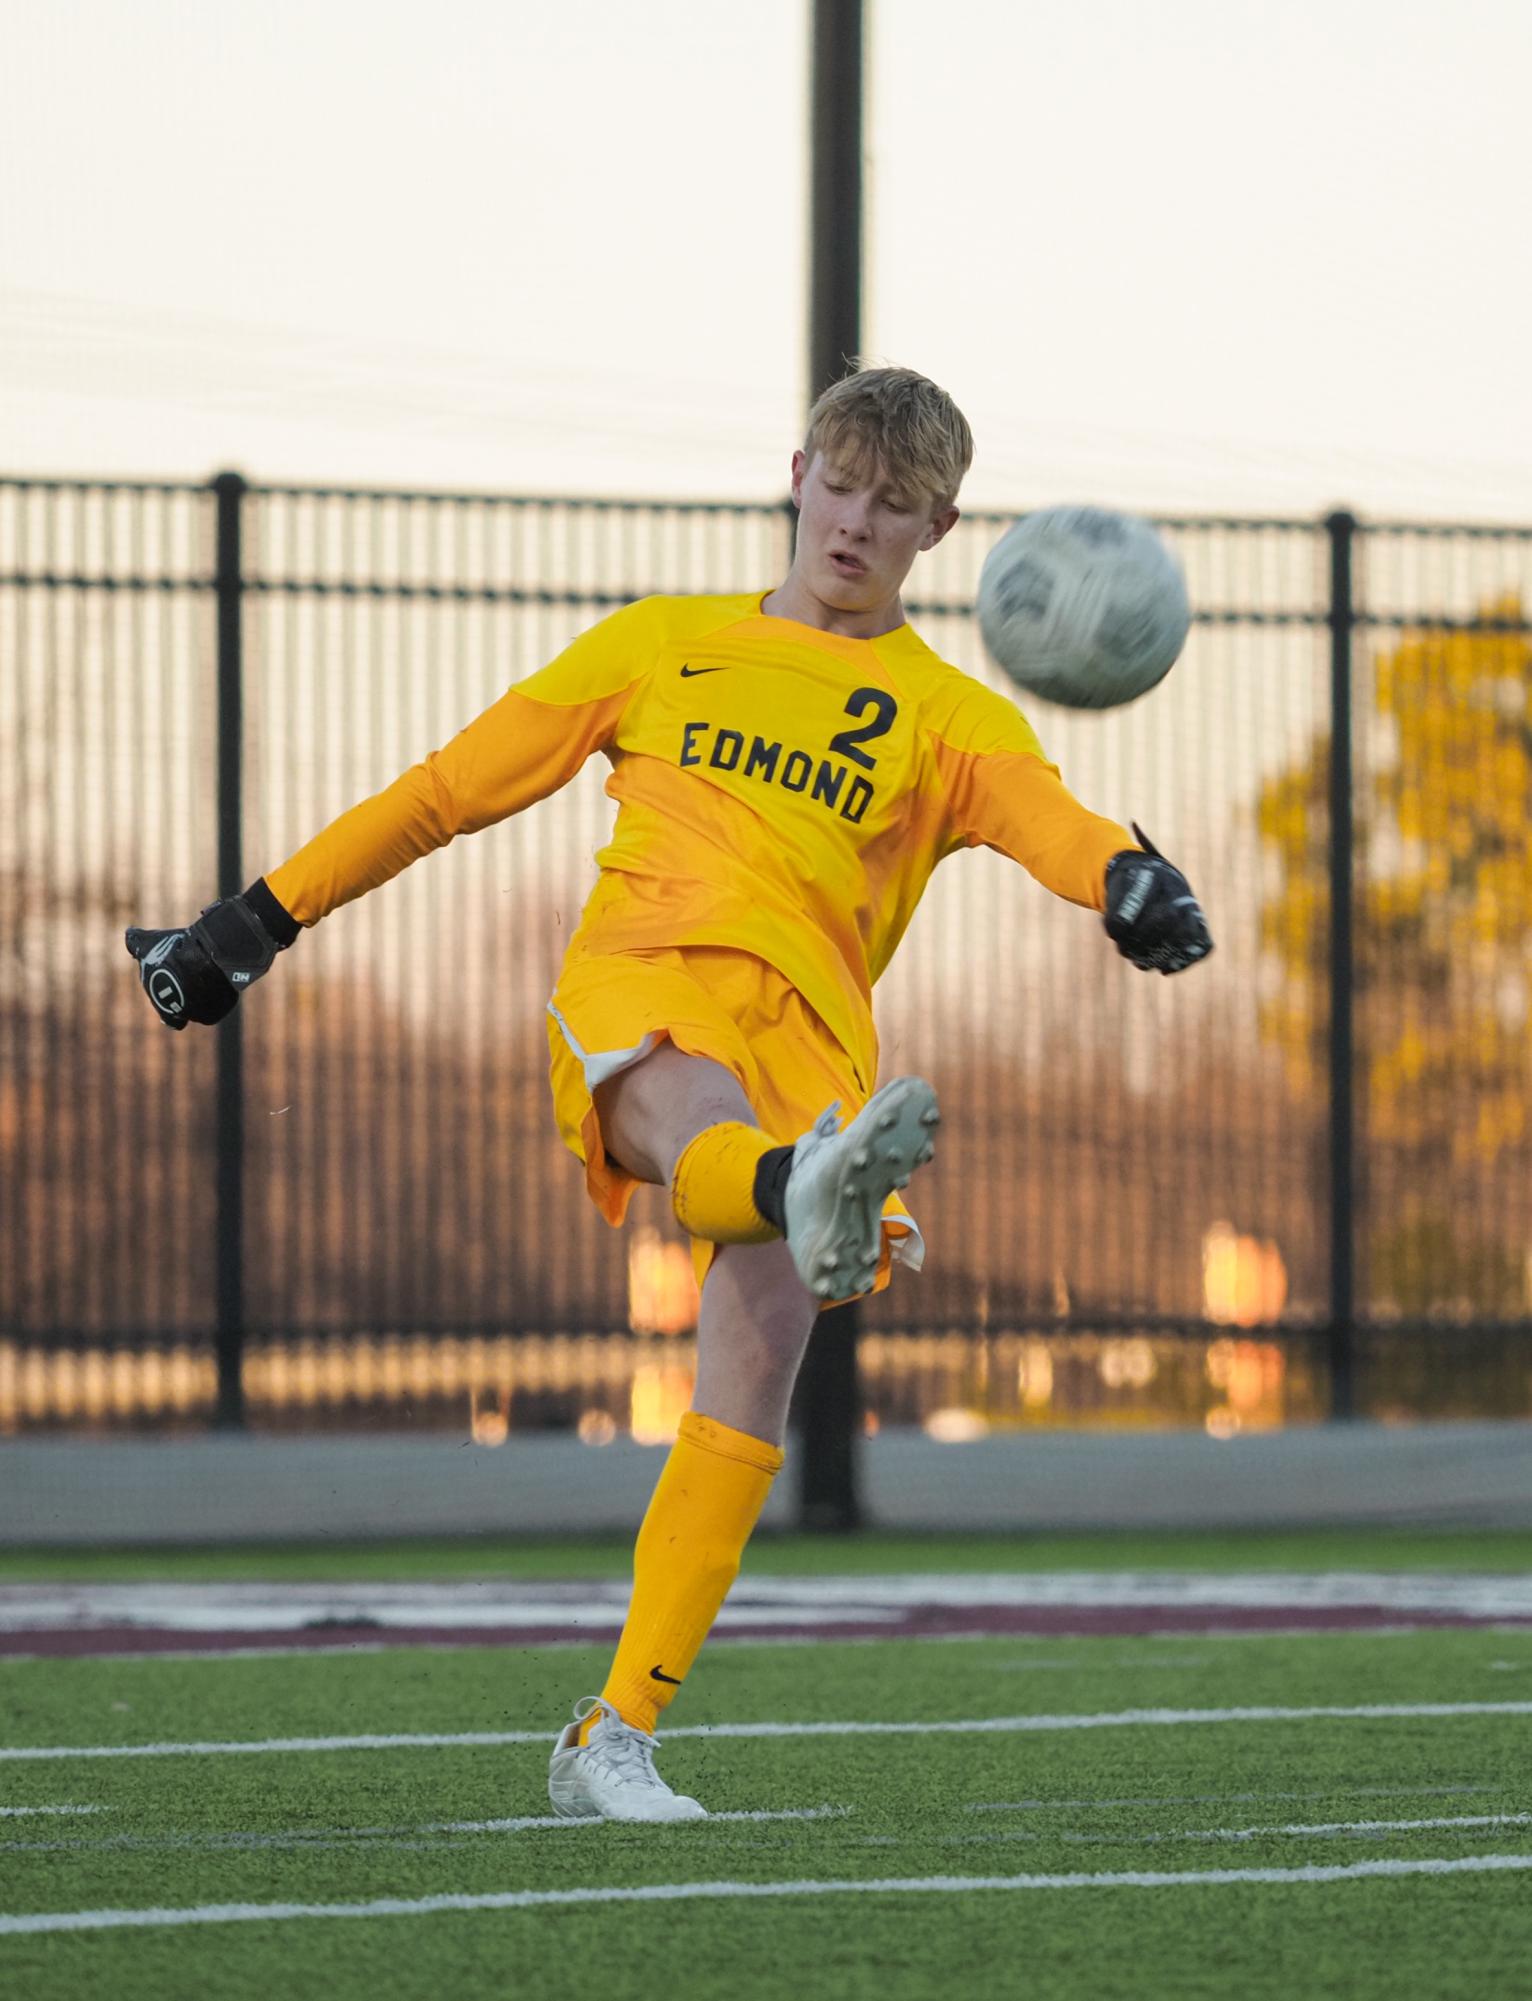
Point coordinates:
[[1082, 606]]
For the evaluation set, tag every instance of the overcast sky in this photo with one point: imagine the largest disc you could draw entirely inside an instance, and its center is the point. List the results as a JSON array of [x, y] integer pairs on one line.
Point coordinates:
[[1209, 254]]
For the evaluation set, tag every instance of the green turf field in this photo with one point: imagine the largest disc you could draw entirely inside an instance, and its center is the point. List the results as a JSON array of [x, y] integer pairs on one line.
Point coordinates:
[[1052, 1809]]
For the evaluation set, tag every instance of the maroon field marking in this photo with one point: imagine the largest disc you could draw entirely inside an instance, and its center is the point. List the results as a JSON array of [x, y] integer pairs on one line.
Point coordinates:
[[919, 1622]]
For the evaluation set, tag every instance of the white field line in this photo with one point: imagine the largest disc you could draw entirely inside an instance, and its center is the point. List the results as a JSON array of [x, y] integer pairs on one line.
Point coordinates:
[[1175, 1663], [1344, 1827], [754, 1599], [1226, 1799], [1326, 1828], [550, 1820], [17, 1812], [649, 1893], [377, 1837], [1120, 1719], [153, 1657]]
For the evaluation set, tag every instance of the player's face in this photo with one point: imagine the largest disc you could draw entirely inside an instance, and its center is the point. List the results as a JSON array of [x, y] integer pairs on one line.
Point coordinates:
[[858, 533]]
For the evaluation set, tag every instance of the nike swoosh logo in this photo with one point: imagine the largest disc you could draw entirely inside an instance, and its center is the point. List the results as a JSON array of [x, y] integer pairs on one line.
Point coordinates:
[[690, 673], [656, 1673]]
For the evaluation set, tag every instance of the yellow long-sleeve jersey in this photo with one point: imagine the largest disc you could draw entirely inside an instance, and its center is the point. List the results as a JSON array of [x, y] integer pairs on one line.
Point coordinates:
[[782, 790]]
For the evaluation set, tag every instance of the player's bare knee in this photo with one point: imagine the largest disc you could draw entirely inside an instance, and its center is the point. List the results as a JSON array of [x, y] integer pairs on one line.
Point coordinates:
[[653, 1109]]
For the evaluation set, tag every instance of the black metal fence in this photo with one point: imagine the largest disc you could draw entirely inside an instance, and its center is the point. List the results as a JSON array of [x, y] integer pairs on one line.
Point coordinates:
[[1295, 1182]]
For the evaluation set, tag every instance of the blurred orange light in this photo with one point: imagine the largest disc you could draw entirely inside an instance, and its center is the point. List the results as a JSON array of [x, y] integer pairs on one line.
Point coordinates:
[[661, 1396], [1244, 1279], [662, 1287]]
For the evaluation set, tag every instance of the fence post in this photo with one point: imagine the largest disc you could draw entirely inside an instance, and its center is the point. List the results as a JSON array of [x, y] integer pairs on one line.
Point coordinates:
[[827, 1411], [1341, 528], [229, 1096]]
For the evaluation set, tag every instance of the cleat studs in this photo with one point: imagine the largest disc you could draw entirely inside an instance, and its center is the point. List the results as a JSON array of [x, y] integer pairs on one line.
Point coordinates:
[[927, 1153], [930, 1116], [893, 1155], [886, 1121], [860, 1157], [903, 1181]]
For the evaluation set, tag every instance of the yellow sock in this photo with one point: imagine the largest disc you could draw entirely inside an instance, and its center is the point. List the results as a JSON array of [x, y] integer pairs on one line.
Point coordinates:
[[713, 1488], [713, 1187]]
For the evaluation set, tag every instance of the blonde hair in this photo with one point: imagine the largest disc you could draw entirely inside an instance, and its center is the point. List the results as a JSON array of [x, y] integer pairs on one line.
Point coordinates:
[[896, 420]]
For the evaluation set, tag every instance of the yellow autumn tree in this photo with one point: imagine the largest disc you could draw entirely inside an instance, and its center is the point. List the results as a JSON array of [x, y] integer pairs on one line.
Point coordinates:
[[1443, 945]]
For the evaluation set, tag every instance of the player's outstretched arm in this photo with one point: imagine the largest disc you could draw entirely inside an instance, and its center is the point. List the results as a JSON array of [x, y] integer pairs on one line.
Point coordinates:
[[1003, 793], [525, 746], [1151, 915], [197, 973]]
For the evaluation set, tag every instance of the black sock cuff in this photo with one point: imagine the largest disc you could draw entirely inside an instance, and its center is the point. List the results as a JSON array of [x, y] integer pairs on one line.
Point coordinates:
[[771, 1172]]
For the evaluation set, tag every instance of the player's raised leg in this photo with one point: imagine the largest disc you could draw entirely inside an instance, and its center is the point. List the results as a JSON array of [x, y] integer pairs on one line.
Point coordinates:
[[684, 1121]]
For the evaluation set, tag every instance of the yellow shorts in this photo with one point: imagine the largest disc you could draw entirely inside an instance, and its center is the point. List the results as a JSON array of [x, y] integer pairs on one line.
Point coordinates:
[[609, 1010]]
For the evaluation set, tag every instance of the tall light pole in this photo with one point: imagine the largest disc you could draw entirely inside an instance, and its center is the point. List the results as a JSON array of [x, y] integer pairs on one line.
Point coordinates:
[[827, 1406], [835, 190]]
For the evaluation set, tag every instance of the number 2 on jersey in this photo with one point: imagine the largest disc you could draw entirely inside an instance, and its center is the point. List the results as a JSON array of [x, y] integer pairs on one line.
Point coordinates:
[[884, 709]]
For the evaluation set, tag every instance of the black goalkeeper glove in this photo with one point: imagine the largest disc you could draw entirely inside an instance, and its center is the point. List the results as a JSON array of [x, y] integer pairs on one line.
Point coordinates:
[[199, 973], [1151, 915]]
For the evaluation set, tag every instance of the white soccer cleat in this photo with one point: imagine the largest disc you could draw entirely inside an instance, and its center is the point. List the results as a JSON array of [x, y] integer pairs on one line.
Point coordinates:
[[839, 1181], [611, 1777]]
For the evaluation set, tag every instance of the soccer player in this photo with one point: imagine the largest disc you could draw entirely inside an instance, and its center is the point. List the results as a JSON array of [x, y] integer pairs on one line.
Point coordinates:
[[790, 766]]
